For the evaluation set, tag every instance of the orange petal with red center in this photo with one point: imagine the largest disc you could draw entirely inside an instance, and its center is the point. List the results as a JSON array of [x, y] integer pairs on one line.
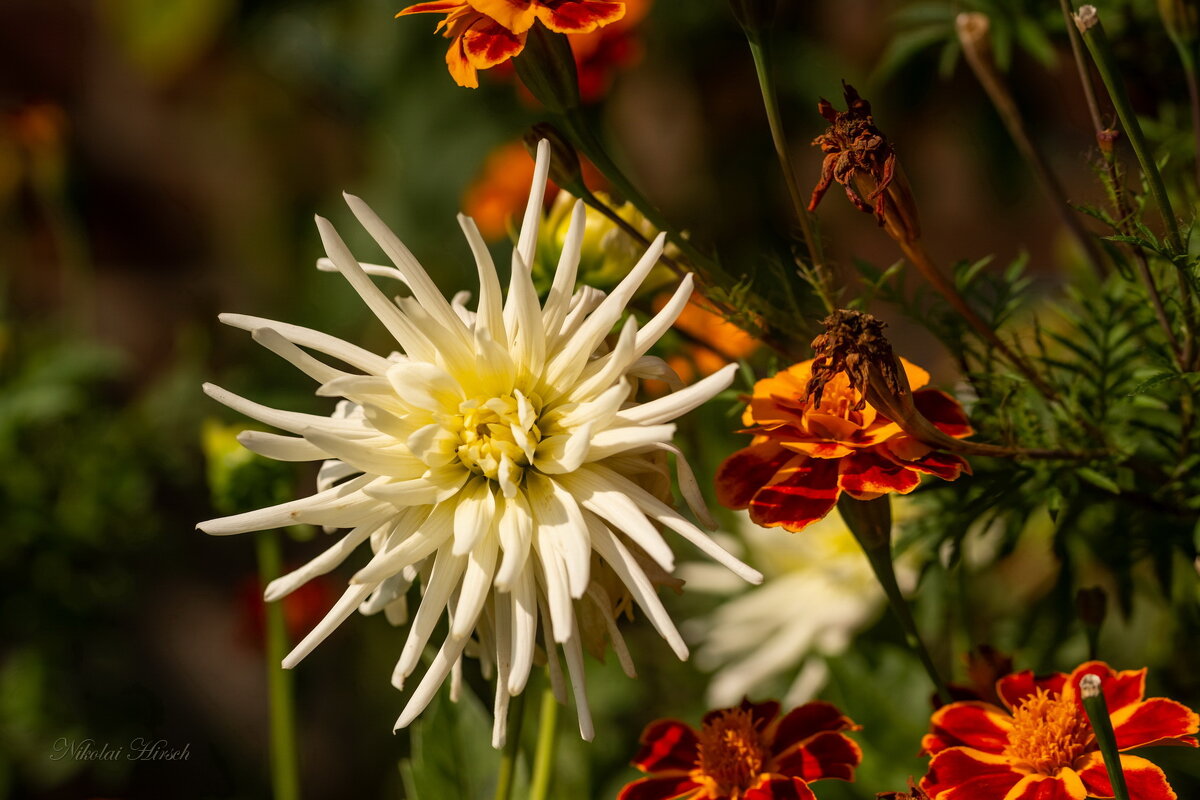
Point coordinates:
[[809, 720], [1144, 780], [822, 449], [667, 744], [487, 44], [1066, 785], [578, 16], [944, 412], [1121, 689], [1155, 721], [946, 466], [802, 492], [747, 471], [826, 755], [437, 7], [868, 473], [1014, 688], [917, 377], [830, 426], [515, 15], [667, 787], [779, 788], [975, 724], [904, 448], [460, 66], [961, 773]]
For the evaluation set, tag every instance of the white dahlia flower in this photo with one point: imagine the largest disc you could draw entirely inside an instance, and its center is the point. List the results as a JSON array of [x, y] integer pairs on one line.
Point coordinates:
[[498, 461]]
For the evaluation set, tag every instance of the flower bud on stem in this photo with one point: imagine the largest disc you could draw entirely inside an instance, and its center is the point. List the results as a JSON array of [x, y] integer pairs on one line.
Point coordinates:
[[1097, 712]]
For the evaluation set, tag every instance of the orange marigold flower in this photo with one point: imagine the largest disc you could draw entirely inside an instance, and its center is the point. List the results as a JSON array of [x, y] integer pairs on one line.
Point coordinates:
[[485, 33], [804, 455], [745, 753], [1041, 745]]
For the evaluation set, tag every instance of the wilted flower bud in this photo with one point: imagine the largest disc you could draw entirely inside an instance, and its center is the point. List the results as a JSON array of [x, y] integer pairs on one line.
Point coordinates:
[[1181, 18]]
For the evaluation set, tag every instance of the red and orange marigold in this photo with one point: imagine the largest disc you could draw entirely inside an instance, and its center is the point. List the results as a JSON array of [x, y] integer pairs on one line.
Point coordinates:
[[804, 455], [1041, 746], [745, 753], [485, 33]]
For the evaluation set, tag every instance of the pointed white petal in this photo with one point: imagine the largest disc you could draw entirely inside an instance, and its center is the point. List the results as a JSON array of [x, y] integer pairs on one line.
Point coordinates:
[[443, 662], [291, 421], [321, 342], [435, 596], [476, 586], [378, 270], [342, 609], [489, 318], [326, 561], [676, 404], [600, 498], [344, 505], [612, 441], [574, 653], [524, 630], [280, 448], [515, 528], [559, 298]]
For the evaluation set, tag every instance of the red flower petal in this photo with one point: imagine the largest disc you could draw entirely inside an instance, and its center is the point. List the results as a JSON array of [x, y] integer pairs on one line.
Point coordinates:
[[802, 492], [487, 44], [826, 755], [460, 67], [809, 720], [436, 7], [774, 788], [943, 411], [578, 16], [1014, 688], [868, 473], [1066, 785], [661, 788], [1121, 689], [667, 744], [1155, 721], [1145, 781], [946, 466], [745, 472], [975, 724], [961, 773]]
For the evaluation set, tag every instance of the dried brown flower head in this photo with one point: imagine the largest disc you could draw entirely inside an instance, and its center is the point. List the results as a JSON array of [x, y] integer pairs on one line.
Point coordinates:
[[914, 793], [852, 343]]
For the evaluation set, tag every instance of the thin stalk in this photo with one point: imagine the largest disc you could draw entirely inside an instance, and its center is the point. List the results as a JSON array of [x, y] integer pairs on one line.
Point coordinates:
[[871, 524], [1097, 712], [1188, 57], [285, 773], [823, 278], [512, 747], [973, 34], [1085, 77], [543, 759], [1088, 22]]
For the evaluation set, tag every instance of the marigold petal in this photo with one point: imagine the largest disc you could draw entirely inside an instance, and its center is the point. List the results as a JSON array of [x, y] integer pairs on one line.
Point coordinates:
[[819, 449], [944, 412], [488, 44], [867, 472], [808, 720], [1121, 689], [747, 471], [578, 16], [830, 426], [803, 491], [780, 788], [1066, 785], [1144, 780], [667, 787], [515, 15], [436, 7], [826, 755], [946, 466], [1157, 720], [460, 67], [1014, 688], [917, 377], [667, 744], [961, 773], [981, 726]]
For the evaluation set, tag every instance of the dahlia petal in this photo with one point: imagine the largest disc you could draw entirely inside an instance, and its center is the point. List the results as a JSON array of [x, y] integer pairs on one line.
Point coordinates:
[[667, 744], [1155, 721], [434, 528], [744, 473], [290, 421], [341, 610], [661, 322], [524, 631], [981, 726], [1144, 780], [666, 787], [1015, 687], [602, 372], [351, 354], [558, 300], [1121, 689], [344, 505], [278, 344], [610, 504], [573, 651], [803, 491], [438, 587], [395, 461], [944, 412], [825, 755], [689, 486], [328, 560], [447, 656], [809, 720], [489, 313], [280, 448], [578, 16], [868, 473], [780, 788], [962, 773]]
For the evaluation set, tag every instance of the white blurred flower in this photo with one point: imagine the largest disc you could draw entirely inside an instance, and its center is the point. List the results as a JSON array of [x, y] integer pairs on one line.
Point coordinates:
[[489, 463], [818, 593]]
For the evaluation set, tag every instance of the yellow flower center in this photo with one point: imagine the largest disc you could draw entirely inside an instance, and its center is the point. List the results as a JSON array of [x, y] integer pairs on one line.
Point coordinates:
[[496, 430], [731, 754], [1049, 732]]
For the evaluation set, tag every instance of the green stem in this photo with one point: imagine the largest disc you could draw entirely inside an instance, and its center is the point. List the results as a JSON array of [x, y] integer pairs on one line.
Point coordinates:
[[285, 775], [1097, 711], [871, 523], [543, 759], [1088, 22], [512, 747], [822, 277]]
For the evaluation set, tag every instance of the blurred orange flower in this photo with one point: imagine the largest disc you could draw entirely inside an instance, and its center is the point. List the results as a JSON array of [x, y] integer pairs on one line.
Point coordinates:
[[715, 340], [803, 456], [485, 33]]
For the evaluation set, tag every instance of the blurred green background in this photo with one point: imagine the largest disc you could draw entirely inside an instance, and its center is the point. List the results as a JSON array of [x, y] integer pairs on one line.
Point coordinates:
[[160, 162]]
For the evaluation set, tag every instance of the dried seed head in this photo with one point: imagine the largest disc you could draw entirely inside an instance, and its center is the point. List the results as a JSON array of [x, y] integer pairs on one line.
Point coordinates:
[[853, 343]]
